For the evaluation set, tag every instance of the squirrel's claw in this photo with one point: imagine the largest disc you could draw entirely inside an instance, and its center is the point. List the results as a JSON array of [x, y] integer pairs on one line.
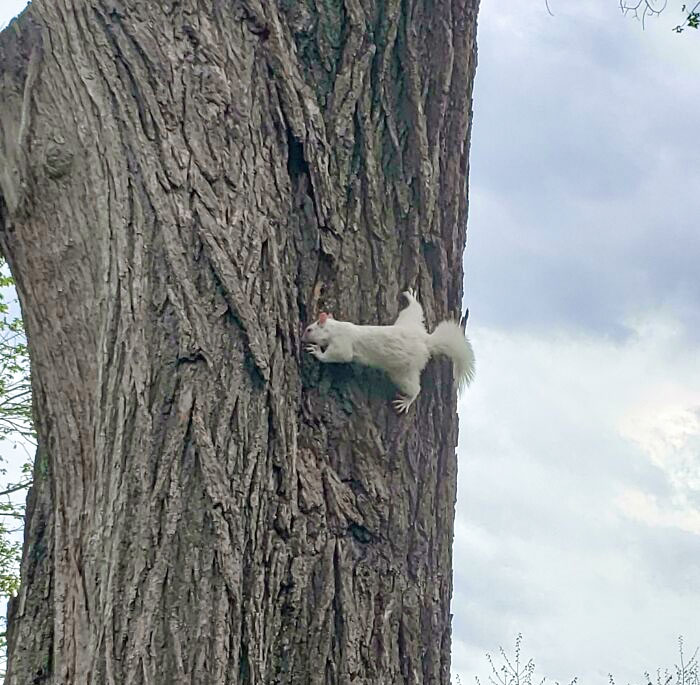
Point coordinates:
[[401, 404]]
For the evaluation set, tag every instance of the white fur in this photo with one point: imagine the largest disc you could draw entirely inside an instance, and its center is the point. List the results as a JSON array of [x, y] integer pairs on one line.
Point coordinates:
[[401, 350]]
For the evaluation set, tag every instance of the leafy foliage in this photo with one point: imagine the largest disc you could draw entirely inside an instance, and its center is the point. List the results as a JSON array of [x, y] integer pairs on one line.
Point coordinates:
[[513, 671], [692, 18], [15, 388], [641, 9], [16, 432], [685, 672]]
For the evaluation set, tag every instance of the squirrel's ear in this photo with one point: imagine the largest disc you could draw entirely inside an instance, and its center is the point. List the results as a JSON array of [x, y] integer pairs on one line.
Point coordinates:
[[323, 317]]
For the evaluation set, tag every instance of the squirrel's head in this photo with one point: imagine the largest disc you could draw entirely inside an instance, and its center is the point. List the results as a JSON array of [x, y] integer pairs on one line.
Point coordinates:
[[319, 331]]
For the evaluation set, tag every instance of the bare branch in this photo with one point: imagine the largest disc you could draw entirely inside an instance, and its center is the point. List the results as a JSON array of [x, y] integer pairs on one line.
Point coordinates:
[[641, 9], [16, 488]]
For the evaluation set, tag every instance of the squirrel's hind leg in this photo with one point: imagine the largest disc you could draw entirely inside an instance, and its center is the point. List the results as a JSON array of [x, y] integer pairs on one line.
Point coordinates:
[[409, 387], [412, 315], [402, 404]]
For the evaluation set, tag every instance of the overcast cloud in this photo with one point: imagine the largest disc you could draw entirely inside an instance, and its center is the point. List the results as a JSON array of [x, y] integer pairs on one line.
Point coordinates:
[[579, 488], [584, 171]]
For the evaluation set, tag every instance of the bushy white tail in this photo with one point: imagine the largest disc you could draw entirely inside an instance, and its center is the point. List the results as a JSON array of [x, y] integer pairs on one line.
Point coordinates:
[[448, 339]]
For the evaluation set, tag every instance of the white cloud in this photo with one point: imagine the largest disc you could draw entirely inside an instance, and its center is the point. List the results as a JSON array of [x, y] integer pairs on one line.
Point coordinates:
[[666, 428], [577, 505], [555, 435], [645, 508]]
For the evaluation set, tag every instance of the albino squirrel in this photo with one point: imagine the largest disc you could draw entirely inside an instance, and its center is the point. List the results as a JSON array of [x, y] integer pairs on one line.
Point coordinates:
[[401, 350]]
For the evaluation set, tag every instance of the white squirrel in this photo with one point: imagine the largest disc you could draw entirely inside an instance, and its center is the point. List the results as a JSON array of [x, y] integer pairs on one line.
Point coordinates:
[[401, 350]]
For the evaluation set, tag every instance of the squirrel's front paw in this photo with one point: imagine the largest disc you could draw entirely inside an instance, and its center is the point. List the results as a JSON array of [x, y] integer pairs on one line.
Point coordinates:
[[314, 349]]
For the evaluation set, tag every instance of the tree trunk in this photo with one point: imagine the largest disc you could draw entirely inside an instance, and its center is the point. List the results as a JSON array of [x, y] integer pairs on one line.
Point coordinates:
[[183, 186]]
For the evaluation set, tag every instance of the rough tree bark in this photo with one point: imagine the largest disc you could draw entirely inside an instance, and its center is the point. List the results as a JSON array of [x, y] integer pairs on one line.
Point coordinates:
[[183, 184]]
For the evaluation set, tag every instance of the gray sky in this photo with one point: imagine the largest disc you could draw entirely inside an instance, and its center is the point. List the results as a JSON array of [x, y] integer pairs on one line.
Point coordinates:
[[9, 9], [578, 518]]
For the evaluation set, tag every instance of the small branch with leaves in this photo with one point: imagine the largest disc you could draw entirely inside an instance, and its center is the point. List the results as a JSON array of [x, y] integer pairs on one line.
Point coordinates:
[[692, 18]]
